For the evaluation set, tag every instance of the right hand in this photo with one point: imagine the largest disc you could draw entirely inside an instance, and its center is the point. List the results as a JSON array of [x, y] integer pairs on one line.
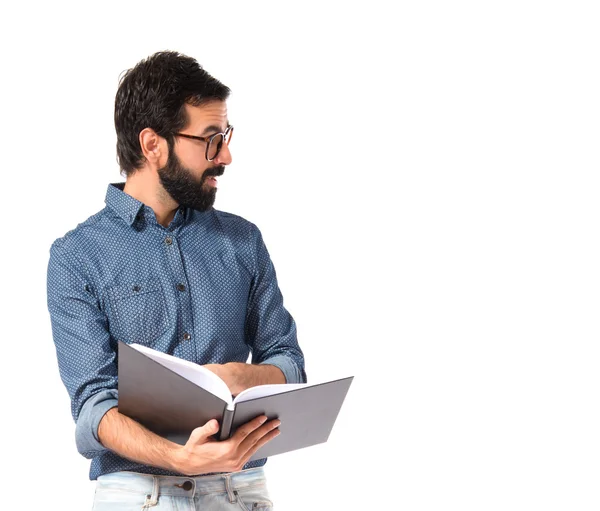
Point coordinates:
[[202, 454]]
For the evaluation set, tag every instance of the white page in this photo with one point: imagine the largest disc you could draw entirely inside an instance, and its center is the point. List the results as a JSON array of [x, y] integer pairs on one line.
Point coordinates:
[[190, 371], [269, 390]]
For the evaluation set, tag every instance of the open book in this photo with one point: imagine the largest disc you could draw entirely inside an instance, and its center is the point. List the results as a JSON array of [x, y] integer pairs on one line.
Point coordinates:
[[171, 397]]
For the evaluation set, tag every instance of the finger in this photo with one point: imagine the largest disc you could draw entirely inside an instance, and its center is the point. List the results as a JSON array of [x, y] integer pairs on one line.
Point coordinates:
[[246, 429], [200, 435], [257, 435], [262, 441]]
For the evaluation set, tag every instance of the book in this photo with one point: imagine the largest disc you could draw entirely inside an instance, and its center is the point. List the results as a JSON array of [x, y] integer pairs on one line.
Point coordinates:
[[171, 397]]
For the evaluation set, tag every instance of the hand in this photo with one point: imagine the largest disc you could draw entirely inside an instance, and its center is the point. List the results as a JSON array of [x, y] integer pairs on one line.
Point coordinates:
[[239, 376], [202, 454], [229, 374]]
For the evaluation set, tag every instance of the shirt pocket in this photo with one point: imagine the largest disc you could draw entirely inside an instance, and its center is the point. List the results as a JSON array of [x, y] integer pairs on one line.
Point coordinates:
[[139, 311]]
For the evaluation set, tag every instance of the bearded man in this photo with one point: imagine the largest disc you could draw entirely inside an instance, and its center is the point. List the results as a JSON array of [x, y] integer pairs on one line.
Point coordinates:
[[159, 266]]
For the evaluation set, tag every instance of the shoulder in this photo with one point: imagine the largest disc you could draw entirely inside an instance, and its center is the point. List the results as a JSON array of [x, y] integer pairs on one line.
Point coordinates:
[[234, 226], [73, 240], [232, 221]]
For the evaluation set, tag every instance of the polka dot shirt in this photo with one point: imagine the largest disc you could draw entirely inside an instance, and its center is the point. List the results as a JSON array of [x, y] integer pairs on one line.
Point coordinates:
[[203, 289]]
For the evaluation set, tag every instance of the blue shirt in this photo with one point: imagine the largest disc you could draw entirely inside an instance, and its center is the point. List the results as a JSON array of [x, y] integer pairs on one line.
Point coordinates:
[[203, 289]]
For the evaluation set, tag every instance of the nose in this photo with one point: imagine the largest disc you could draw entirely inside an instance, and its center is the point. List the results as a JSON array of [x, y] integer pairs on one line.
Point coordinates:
[[224, 156]]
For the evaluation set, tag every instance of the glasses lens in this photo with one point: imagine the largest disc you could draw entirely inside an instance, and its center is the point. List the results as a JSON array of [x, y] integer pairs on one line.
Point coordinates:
[[214, 146]]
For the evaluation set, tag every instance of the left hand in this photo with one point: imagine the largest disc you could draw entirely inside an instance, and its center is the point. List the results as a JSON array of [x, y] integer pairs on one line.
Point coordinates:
[[229, 374]]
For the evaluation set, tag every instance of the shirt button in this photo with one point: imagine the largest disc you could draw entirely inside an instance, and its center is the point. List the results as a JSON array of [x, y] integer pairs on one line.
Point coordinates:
[[186, 337], [168, 240], [180, 287]]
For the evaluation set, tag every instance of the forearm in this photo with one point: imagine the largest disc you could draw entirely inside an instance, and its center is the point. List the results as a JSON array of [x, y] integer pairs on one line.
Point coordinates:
[[252, 375], [131, 440]]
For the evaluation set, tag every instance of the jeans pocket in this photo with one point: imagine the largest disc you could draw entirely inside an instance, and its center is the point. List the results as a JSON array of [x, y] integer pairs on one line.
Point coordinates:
[[138, 311], [108, 499], [254, 499]]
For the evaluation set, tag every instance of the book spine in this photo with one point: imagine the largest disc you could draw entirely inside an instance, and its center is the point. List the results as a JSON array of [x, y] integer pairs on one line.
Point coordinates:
[[226, 424]]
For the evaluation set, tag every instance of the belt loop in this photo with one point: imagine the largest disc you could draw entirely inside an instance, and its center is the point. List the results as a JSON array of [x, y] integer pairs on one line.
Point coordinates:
[[230, 494], [152, 499]]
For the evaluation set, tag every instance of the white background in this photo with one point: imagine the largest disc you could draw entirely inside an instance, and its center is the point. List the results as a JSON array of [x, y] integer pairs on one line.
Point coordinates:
[[425, 175]]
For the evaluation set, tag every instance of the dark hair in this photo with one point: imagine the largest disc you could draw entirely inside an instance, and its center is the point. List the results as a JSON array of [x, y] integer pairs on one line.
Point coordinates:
[[153, 95]]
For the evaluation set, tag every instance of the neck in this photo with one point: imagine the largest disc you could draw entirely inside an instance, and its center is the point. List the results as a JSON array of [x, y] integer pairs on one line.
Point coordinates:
[[145, 186]]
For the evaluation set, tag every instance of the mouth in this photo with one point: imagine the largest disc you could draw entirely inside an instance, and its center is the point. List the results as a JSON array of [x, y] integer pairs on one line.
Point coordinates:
[[212, 181]]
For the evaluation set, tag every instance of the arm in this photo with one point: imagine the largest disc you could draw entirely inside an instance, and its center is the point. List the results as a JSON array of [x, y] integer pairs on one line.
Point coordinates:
[[270, 332], [239, 376], [200, 455], [270, 329], [86, 356], [130, 439]]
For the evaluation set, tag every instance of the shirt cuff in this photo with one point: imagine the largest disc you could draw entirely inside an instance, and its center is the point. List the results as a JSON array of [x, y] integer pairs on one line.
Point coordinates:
[[288, 368], [86, 431]]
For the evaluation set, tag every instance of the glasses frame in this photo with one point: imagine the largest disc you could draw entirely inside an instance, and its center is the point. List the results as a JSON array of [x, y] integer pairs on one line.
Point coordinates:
[[227, 134]]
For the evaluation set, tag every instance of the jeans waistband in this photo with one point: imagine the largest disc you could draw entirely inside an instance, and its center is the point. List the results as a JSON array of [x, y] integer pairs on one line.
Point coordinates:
[[182, 486]]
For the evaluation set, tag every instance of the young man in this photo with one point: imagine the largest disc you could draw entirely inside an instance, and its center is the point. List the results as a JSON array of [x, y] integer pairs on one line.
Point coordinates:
[[161, 267]]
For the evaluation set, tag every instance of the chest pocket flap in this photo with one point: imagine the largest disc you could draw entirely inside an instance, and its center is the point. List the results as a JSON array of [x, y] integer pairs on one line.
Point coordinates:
[[139, 312]]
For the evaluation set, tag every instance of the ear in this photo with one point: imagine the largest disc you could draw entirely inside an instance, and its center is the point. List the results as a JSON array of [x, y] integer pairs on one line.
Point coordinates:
[[153, 146]]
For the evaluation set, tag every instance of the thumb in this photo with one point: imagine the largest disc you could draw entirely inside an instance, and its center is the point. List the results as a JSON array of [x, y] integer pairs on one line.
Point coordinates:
[[201, 434]]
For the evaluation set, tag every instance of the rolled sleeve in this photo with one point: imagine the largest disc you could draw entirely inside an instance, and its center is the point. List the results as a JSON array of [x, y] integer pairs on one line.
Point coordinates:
[[86, 357], [288, 368], [270, 329], [86, 431]]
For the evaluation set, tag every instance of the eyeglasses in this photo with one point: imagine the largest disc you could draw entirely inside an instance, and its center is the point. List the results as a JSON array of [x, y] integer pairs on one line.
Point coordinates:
[[213, 143]]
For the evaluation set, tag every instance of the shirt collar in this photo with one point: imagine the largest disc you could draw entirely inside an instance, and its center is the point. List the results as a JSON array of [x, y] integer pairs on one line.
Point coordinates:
[[129, 208], [121, 203]]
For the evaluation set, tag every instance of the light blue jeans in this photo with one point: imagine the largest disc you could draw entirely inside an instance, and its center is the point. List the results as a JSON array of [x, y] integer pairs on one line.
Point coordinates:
[[129, 491]]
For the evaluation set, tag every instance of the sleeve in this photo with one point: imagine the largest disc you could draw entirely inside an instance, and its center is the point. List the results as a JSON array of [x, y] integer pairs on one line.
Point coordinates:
[[86, 357], [270, 329]]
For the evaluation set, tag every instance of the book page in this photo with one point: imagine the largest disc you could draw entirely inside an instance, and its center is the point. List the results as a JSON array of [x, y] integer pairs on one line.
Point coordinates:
[[190, 371], [268, 390]]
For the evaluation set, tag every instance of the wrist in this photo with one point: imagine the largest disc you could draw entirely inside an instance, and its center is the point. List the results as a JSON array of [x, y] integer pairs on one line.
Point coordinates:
[[177, 459], [236, 370]]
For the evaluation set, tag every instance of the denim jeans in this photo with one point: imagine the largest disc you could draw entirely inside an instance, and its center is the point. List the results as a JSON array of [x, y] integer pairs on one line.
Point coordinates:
[[129, 491]]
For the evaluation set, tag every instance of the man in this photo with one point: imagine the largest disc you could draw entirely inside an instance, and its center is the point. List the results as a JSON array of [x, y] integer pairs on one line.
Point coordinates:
[[161, 267]]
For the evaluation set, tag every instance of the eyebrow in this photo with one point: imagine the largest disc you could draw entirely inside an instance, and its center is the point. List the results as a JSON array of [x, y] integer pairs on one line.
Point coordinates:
[[213, 129]]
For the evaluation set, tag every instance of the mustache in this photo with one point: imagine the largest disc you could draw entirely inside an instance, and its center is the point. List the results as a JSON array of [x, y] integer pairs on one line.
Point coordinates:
[[214, 172]]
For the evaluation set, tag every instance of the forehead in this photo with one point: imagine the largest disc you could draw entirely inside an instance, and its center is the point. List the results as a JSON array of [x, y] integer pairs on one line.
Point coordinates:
[[213, 113]]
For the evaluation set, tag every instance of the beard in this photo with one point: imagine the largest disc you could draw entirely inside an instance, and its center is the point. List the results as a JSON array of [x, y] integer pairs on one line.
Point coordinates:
[[184, 188]]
